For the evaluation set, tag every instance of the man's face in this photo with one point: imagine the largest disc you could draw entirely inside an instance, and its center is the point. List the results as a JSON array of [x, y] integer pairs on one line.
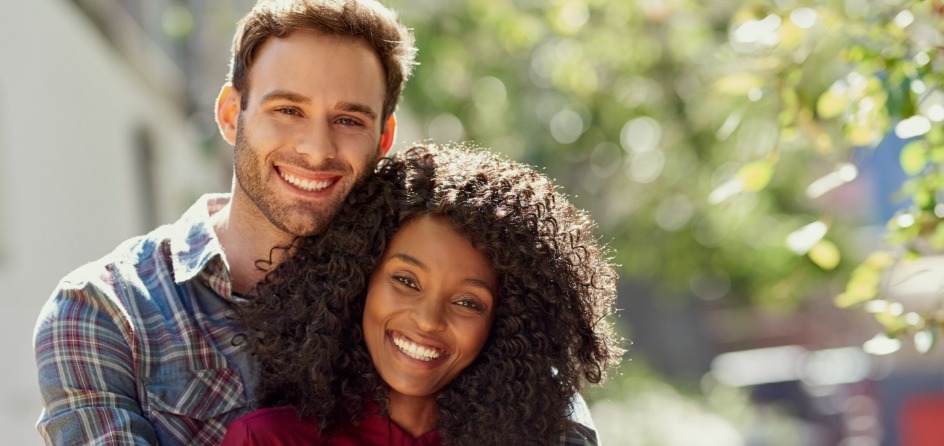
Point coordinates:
[[311, 129]]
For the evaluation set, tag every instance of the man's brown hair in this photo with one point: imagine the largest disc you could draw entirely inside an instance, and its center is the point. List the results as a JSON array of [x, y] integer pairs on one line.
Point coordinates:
[[364, 20]]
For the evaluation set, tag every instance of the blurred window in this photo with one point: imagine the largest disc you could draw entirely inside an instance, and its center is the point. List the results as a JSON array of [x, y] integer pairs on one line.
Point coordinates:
[[144, 168]]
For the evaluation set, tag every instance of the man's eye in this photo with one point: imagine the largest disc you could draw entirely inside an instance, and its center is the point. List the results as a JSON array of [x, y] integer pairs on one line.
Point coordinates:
[[349, 122], [289, 111]]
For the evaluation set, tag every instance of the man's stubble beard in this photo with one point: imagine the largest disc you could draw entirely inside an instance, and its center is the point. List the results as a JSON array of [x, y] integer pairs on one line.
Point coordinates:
[[300, 218]]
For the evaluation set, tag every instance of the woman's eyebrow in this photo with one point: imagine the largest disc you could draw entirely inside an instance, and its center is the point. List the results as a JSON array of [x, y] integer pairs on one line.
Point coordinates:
[[411, 260], [478, 283]]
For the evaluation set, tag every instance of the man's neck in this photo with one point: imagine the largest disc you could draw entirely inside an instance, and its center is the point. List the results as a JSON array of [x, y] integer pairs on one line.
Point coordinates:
[[245, 242]]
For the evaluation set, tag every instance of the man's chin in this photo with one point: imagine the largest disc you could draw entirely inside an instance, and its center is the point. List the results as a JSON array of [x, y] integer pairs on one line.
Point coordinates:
[[305, 222]]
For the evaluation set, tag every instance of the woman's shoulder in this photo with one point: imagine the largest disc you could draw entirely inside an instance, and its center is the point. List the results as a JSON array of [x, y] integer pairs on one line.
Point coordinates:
[[277, 426], [286, 413]]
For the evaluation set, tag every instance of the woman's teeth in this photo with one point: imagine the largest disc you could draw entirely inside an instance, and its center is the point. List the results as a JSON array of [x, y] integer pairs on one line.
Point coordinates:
[[415, 350]]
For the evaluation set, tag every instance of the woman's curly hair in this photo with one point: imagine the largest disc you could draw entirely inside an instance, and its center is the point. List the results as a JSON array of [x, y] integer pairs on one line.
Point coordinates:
[[551, 331]]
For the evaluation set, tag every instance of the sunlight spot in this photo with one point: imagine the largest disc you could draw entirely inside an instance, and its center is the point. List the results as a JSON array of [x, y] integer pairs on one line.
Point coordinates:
[[674, 212], [905, 220], [574, 14], [566, 126], [726, 190], [445, 127], [936, 112], [914, 126], [640, 134], [881, 344], [646, 166], [845, 173], [904, 18], [489, 93], [801, 240], [803, 17], [762, 31]]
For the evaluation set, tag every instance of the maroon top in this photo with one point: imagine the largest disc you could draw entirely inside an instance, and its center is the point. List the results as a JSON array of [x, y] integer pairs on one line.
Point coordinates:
[[281, 426]]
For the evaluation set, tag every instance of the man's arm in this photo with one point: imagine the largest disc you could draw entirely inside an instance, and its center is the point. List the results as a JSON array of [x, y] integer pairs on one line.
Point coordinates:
[[86, 371]]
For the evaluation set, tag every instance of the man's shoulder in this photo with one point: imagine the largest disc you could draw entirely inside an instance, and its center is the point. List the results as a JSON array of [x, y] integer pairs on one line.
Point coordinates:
[[144, 256], [126, 262]]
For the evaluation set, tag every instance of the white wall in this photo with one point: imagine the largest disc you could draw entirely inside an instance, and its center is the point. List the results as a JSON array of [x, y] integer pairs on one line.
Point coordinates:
[[69, 107]]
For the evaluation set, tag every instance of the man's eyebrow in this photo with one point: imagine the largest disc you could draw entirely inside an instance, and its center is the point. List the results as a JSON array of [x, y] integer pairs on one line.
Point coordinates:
[[283, 95], [354, 107], [468, 281]]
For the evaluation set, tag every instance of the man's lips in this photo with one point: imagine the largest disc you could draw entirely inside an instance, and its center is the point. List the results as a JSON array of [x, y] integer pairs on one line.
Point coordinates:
[[307, 185], [308, 180]]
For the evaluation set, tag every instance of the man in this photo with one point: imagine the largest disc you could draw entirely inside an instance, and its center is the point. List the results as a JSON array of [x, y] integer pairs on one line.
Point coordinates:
[[139, 347]]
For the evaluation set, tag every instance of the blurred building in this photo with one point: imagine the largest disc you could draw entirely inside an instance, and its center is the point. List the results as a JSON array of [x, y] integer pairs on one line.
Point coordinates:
[[106, 130]]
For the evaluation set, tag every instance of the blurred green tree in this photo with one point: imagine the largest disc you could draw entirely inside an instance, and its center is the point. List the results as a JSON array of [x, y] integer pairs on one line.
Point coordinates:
[[712, 141]]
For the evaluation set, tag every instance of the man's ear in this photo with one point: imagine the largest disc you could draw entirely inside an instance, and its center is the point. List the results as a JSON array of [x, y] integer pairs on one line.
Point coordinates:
[[227, 112], [388, 135]]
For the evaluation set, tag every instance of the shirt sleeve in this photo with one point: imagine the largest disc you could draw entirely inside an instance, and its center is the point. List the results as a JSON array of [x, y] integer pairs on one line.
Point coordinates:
[[82, 343], [583, 431]]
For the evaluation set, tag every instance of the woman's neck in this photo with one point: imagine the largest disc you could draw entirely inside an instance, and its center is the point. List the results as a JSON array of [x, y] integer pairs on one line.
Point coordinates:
[[415, 415]]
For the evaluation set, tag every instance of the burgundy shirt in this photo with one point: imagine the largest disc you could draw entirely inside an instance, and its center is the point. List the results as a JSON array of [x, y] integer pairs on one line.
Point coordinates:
[[281, 426]]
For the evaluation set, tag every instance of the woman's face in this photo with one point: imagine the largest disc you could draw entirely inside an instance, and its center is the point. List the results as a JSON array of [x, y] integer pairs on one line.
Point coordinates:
[[429, 309]]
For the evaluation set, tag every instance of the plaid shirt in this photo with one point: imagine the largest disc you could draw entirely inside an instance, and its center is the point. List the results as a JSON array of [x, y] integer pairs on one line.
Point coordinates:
[[138, 347]]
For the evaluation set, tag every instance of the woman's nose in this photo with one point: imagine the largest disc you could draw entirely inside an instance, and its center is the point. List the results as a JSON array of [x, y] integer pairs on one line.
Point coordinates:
[[428, 315]]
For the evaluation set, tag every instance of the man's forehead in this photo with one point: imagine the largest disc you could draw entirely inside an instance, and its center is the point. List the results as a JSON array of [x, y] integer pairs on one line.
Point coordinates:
[[282, 69]]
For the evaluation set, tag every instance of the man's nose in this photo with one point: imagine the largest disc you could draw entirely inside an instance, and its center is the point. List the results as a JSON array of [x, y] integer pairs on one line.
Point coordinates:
[[317, 142]]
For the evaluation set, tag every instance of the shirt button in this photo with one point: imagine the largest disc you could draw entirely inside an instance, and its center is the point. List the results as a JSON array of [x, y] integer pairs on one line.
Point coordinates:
[[238, 340]]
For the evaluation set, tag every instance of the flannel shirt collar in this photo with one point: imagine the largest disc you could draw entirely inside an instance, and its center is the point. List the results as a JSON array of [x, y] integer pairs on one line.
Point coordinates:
[[195, 249]]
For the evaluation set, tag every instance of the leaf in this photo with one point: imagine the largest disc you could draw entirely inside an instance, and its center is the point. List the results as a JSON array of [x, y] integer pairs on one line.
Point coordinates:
[[865, 280], [831, 103], [739, 83], [862, 135], [913, 157], [936, 154], [825, 254], [893, 323], [937, 235], [756, 175]]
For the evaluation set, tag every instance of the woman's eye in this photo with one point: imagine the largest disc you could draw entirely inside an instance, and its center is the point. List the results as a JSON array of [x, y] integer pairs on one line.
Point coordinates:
[[472, 304], [406, 281]]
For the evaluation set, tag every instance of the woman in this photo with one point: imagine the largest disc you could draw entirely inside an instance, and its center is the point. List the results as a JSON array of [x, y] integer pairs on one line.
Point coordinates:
[[486, 306]]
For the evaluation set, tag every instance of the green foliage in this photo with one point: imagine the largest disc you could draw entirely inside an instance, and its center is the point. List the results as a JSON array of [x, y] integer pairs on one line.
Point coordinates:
[[712, 141]]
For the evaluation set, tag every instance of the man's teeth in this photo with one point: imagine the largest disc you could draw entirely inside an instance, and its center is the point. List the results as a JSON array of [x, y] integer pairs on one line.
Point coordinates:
[[306, 184], [415, 350]]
